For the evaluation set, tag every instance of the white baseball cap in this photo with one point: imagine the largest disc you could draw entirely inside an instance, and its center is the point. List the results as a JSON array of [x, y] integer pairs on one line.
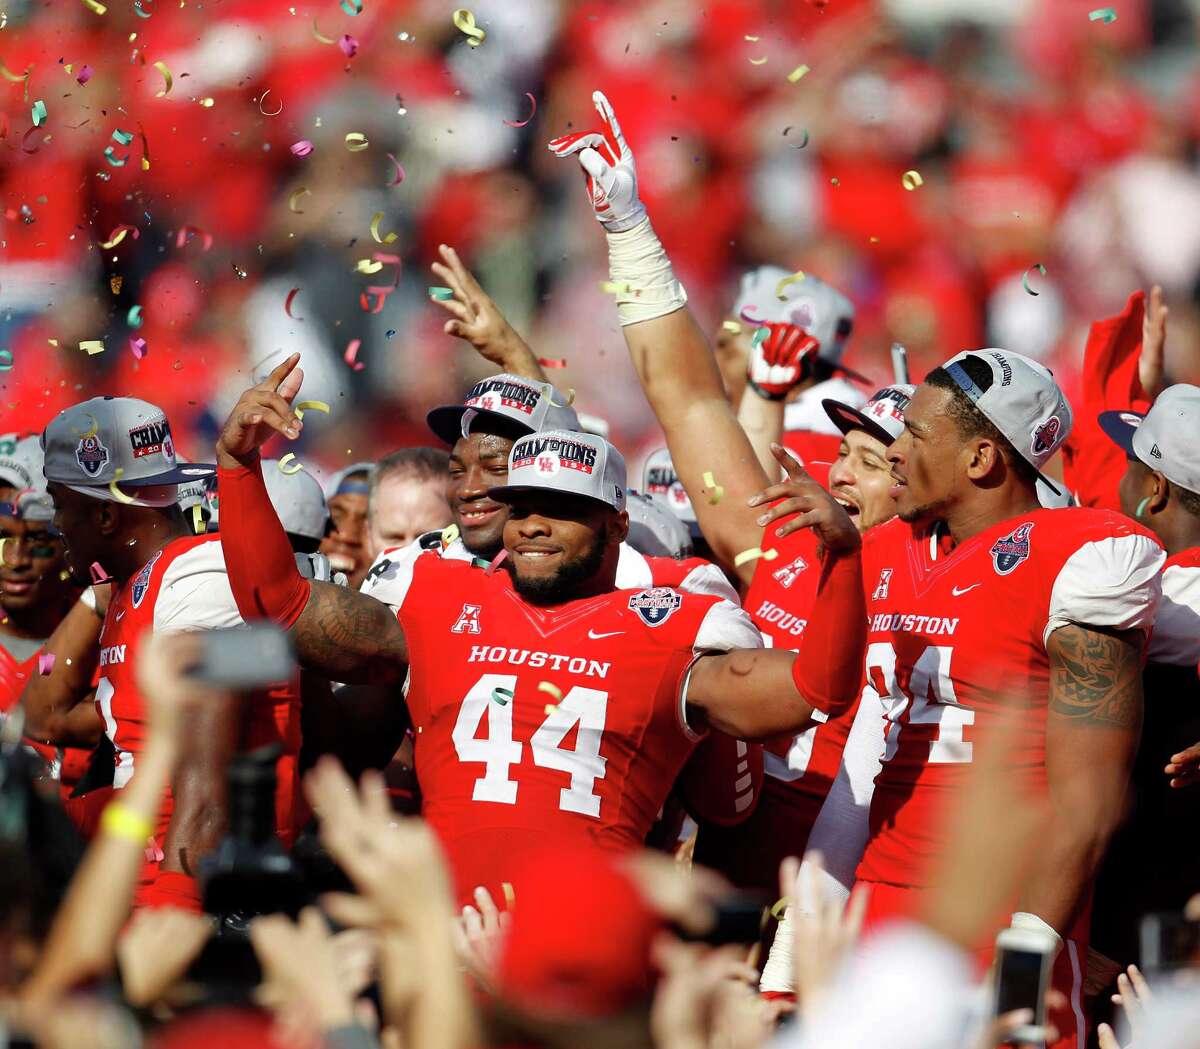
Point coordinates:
[[1165, 438], [882, 416], [340, 483], [565, 461], [534, 406], [298, 500], [654, 530], [662, 484], [21, 468], [1020, 398], [809, 303]]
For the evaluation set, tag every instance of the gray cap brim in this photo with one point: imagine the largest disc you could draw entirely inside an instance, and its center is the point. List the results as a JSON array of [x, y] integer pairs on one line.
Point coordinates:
[[446, 422]]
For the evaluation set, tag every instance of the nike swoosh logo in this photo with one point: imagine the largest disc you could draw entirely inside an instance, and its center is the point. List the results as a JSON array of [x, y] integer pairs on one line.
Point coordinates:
[[958, 593], [119, 616], [596, 637]]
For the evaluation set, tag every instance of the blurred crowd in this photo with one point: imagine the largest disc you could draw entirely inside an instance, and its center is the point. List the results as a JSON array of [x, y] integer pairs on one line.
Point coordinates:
[[1055, 156]]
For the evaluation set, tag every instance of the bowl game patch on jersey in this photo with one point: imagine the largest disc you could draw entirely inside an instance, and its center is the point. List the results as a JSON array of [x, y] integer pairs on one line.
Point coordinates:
[[655, 606], [142, 583], [1010, 550]]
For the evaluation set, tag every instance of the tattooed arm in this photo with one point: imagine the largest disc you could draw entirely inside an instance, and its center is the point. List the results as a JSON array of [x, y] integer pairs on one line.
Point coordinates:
[[348, 636], [1092, 729]]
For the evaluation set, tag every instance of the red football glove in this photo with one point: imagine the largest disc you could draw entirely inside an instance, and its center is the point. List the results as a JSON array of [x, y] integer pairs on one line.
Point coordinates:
[[780, 360]]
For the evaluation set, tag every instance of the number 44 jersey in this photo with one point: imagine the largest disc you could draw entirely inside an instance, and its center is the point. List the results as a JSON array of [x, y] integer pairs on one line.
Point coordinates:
[[958, 635], [541, 721]]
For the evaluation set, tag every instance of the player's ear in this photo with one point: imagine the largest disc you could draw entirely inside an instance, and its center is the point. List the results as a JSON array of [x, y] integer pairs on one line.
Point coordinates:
[[1160, 492], [618, 527], [106, 516], [983, 456]]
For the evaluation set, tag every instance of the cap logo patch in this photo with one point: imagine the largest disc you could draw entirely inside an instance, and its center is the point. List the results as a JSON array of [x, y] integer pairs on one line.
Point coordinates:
[[659, 479], [1045, 435], [142, 583], [91, 455], [494, 395], [548, 455], [152, 437], [655, 606], [1155, 452], [1012, 549]]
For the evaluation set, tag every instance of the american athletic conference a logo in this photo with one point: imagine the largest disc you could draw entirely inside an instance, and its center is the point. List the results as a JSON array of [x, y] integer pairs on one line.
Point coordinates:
[[1012, 549]]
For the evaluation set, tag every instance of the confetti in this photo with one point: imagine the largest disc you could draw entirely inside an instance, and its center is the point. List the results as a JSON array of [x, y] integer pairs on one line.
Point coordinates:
[[510, 897], [6, 360], [551, 689], [137, 9], [197, 520], [186, 232], [84, 75], [1107, 15], [98, 574], [399, 170], [1025, 277], [207, 103], [496, 562], [618, 288], [168, 80], [116, 492], [780, 905], [263, 111], [911, 179], [352, 353], [502, 695], [356, 141], [303, 147], [449, 534], [464, 21], [92, 346], [797, 73], [759, 61], [753, 554], [352, 7], [110, 154], [375, 220], [39, 113], [124, 137], [317, 33], [288, 464], [45, 663], [752, 39], [732, 327], [442, 294], [134, 317], [118, 235], [94, 5], [294, 199], [552, 362], [16, 78], [145, 151], [718, 491], [287, 304], [367, 266], [803, 141], [549, 709], [137, 346], [794, 278], [316, 406], [532, 113], [348, 45], [759, 337]]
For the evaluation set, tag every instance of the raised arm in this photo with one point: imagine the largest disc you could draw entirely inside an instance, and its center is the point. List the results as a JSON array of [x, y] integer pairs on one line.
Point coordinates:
[[670, 353], [343, 634], [477, 319], [58, 706], [1092, 730]]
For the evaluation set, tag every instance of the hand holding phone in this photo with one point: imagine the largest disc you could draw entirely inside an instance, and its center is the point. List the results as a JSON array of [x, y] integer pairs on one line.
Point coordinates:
[[1024, 959]]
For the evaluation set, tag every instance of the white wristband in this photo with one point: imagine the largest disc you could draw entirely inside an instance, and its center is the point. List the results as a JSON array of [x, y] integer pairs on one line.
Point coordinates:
[[1026, 920], [645, 283], [88, 597]]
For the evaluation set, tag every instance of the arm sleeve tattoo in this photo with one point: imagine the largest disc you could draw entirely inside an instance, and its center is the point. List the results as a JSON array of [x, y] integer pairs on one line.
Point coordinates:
[[1096, 676], [347, 636]]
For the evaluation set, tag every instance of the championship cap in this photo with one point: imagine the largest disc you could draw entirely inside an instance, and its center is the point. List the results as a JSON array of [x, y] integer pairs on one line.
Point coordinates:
[[21, 468], [343, 483], [298, 500], [534, 406], [87, 444], [565, 461], [1019, 397], [1164, 439], [654, 530], [662, 484], [882, 416], [807, 302]]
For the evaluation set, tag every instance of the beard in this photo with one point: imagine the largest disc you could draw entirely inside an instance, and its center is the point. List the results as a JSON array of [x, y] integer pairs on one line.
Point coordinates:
[[924, 514], [565, 582]]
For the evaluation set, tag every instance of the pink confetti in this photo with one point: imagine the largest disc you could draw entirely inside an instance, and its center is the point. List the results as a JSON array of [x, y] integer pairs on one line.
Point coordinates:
[[287, 305], [85, 74], [181, 238], [302, 148], [352, 353], [45, 663], [153, 853], [348, 45], [497, 561], [532, 113], [399, 170], [138, 347], [98, 573]]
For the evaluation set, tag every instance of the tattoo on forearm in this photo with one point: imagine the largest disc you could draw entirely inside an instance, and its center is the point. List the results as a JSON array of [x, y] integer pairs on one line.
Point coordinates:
[[349, 636], [1096, 676]]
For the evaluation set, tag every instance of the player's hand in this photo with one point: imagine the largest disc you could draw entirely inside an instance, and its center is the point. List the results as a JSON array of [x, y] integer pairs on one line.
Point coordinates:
[[171, 695], [1184, 767], [1000, 1030], [261, 411], [608, 167], [1154, 338], [779, 361], [812, 506], [478, 320], [156, 948]]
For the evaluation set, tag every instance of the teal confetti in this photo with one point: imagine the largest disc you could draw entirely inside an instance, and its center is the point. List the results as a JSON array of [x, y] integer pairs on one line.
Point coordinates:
[[1025, 277], [441, 293], [1107, 15], [502, 695], [39, 113], [134, 317], [760, 336]]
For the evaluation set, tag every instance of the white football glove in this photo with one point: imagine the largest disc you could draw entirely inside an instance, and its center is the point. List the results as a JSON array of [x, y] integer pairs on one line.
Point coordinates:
[[608, 167]]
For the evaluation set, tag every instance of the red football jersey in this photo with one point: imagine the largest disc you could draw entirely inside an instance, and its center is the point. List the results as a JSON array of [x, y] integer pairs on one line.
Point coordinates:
[[184, 587], [958, 634], [534, 721]]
